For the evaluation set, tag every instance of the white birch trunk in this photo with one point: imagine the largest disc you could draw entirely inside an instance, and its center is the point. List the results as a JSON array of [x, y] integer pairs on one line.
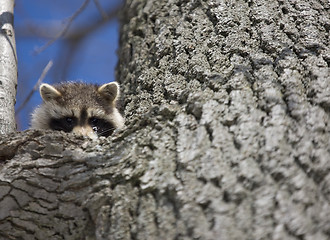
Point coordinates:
[[8, 67]]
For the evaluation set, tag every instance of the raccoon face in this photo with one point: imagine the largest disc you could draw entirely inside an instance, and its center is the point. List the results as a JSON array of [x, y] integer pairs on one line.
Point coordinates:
[[83, 125], [84, 109]]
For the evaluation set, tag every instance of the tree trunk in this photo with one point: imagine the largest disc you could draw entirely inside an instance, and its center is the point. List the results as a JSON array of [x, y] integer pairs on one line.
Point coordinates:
[[227, 107], [8, 68]]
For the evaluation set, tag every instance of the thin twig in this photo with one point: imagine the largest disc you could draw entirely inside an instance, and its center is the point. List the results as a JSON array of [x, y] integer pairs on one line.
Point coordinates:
[[65, 29], [94, 23], [100, 8], [36, 86], [80, 33]]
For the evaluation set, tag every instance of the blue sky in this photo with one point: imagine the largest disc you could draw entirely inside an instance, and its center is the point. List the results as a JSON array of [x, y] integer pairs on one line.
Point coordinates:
[[94, 60]]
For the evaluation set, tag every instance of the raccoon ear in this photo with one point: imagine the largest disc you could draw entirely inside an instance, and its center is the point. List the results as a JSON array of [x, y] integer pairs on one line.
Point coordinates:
[[110, 91], [48, 92]]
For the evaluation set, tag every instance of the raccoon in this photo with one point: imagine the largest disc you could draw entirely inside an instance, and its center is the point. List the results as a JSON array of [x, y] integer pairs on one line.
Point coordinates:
[[85, 109]]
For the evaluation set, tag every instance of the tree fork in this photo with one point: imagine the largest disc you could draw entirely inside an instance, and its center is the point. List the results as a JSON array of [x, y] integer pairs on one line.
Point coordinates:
[[227, 106]]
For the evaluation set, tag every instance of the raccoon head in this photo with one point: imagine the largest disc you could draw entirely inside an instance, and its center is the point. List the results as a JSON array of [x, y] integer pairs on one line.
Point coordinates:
[[84, 109]]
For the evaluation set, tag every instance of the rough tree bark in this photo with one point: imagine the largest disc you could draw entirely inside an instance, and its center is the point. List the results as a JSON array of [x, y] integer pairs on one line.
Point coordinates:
[[227, 106], [8, 68]]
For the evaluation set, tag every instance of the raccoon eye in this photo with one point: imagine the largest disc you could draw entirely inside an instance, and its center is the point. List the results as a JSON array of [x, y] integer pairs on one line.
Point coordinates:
[[101, 127], [94, 124], [69, 120], [65, 124], [94, 121]]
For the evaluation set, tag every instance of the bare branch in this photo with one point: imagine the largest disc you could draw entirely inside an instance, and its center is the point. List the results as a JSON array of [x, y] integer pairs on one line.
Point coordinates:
[[80, 33], [36, 86], [94, 23], [65, 29], [100, 9]]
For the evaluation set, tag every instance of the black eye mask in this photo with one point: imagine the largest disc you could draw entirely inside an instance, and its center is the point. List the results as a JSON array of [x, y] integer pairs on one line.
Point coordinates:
[[101, 127], [65, 124]]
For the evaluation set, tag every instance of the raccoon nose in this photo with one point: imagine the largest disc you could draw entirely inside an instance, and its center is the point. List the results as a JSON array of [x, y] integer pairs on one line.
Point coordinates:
[[84, 131]]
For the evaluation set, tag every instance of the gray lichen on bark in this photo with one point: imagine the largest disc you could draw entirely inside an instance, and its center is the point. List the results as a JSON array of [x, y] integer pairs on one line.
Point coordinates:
[[227, 137]]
